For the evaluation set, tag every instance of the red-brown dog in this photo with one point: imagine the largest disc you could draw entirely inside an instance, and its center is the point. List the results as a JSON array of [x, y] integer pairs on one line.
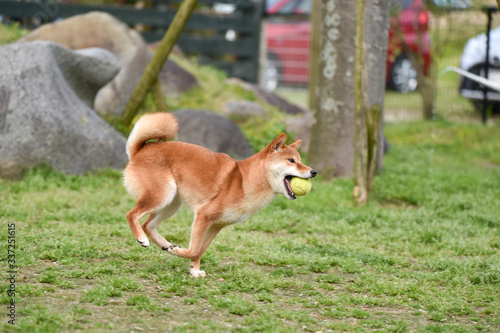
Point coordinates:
[[221, 191]]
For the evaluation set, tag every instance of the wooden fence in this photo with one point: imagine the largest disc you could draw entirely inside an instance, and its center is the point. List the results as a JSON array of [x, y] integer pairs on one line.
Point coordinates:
[[222, 33]]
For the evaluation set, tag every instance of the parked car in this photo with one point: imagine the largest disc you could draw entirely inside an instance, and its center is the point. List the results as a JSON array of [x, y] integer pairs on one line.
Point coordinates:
[[473, 60], [288, 45]]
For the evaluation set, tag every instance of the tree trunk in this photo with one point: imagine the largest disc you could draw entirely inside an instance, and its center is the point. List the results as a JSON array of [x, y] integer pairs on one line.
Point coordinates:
[[376, 37], [159, 97], [371, 52], [428, 93], [375, 144], [427, 82], [331, 149], [360, 180]]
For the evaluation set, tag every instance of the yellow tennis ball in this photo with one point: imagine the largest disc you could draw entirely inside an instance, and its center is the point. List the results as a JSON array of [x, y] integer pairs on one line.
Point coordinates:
[[300, 186]]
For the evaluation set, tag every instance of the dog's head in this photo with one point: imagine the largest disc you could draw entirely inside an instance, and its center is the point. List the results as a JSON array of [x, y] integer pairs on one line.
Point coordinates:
[[282, 163]]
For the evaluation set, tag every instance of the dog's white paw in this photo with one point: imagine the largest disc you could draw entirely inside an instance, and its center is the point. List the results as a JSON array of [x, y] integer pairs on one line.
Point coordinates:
[[172, 249], [144, 242], [197, 273]]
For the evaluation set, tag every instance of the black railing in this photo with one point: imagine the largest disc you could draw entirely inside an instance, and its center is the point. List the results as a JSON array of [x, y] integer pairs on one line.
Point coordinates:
[[205, 34]]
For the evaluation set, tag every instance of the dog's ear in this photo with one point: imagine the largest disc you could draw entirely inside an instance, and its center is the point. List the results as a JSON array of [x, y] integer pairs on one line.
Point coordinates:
[[277, 143], [295, 145]]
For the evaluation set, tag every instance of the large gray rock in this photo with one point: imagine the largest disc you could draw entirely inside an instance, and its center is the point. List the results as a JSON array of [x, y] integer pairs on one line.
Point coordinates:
[[87, 83], [174, 79], [43, 119], [300, 127], [269, 97], [98, 29], [212, 131], [243, 110]]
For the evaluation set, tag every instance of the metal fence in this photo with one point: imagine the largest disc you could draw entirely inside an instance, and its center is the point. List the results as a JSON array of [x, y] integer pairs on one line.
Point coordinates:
[[286, 67], [463, 44]]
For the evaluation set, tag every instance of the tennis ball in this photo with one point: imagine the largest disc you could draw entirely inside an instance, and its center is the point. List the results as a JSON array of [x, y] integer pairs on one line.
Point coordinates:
[[300, 186]]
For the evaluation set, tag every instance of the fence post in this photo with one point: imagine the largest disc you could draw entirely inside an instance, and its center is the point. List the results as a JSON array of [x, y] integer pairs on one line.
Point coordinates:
[[487, 66], [258, 13]]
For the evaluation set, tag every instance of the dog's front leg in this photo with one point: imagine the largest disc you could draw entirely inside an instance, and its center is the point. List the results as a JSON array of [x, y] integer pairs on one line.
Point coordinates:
[[202, 234], [195, 263]]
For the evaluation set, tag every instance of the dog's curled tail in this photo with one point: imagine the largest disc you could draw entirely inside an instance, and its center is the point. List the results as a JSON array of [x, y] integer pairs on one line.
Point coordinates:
[[160, 125]]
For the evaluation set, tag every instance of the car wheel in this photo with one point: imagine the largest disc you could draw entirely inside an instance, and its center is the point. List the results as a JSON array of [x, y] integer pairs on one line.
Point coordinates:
[[468, 84], [271, 72], [403, 76]]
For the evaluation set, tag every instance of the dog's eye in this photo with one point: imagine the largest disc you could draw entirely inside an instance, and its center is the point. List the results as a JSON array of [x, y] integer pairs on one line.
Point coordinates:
[[291, 160]]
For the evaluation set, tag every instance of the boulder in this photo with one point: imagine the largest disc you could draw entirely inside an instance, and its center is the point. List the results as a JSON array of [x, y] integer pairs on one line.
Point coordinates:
[[243, 110], [87, 82], [301, 126], [98, 29], [269, 97], [212, 131], [175, 80], [43, 119]]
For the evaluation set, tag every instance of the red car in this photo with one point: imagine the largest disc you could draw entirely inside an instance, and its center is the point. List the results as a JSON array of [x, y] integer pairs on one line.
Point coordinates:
[[288, 45]]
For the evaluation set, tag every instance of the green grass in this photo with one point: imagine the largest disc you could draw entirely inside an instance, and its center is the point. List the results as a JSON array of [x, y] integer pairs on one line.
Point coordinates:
[[422, 256], [9, 34]]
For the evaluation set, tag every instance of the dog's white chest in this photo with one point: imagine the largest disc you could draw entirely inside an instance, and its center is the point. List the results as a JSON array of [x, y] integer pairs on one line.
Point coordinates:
[[246, 208]]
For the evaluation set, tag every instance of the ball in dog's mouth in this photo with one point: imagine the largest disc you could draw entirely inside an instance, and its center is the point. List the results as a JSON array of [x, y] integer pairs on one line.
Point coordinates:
[[288, 188]]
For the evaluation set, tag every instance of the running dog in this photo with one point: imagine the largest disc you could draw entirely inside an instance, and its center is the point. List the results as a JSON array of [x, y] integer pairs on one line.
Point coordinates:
[[161, 175]]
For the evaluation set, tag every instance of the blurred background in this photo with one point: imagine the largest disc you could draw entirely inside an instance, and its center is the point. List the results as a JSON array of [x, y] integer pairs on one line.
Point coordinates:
[[269, 41], [445, 32]]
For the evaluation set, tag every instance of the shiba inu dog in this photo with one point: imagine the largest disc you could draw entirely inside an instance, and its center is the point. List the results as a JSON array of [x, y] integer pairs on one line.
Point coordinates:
[[161, 175]]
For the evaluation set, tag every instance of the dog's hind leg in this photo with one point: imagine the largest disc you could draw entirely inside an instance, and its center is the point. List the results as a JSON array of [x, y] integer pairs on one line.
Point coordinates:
[[202, 233], [155, 219], [149, 203], [133, 218]]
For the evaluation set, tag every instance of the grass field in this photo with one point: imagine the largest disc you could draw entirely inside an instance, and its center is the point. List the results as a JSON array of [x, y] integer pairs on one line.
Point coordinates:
[[422, 256]]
